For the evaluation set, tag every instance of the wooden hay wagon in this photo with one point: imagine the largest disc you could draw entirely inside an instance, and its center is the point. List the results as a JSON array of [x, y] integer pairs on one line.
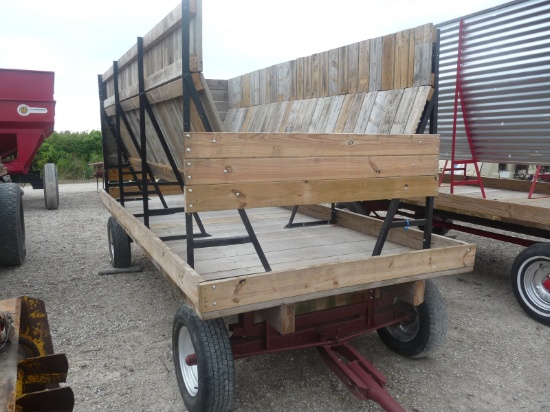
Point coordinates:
[[241, 214]]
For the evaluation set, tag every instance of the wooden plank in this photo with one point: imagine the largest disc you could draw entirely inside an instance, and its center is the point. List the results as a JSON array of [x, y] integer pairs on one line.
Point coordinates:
[[375, 67], [289, 125], [316, 117], [308, 78], [283, 82], [315, 75], [343, 70], [404, 110], [423, 55], [323, 74], [410, 292], [364, 113], [375, 117], [415, 113], [332, 117], [255, 88], [248, 290], [299, 74], [166, 260], [265, 86], [281, 318], [364, 66], [390, 110], [216, 171], [401, 59], [323, 118], [388, 62], [248, 195], [353, 113], [353, 68], [227, 145], [333, 72], [344, 112]]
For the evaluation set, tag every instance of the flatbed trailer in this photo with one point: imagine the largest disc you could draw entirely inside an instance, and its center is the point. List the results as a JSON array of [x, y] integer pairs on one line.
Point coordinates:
[[508, 213], [240, 215]]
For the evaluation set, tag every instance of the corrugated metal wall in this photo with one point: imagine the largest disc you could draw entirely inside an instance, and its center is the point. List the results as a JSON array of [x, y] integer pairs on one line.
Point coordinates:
[[506, 83]]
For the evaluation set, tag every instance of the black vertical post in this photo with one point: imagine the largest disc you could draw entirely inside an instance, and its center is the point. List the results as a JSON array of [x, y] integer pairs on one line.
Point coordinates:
[[102, 115], [117, 133], [185, 50], [142, 132], [427, 240], [435, 67]]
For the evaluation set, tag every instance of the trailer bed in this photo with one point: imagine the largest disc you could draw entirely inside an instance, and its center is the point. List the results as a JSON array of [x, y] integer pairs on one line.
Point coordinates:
[[307, 262]]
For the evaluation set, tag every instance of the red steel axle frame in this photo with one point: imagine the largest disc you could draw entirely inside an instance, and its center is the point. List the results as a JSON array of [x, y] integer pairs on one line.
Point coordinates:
[[329, 330]]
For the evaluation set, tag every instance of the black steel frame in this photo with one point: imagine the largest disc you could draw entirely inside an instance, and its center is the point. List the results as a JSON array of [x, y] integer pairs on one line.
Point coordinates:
[[190, 93]]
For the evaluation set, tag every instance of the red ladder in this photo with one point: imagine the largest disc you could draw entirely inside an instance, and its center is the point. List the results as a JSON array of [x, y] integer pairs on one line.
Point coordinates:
[[458, 165]]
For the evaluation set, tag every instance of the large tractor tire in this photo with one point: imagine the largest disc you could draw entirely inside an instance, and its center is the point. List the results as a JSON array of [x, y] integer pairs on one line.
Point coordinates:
[[12, 225]]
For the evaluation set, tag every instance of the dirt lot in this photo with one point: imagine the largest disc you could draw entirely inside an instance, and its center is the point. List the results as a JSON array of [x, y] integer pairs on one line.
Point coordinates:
[[116, 331]]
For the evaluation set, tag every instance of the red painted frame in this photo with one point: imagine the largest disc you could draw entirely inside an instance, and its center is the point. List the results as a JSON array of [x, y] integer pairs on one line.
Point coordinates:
[[27, 112]]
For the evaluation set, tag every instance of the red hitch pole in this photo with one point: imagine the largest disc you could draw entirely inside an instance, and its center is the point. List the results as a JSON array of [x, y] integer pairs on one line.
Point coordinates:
[[359, 375]]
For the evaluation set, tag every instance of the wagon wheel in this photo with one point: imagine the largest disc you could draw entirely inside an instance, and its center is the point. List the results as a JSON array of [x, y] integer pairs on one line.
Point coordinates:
[[12, 225], [418, 337], [531, 281], [119, 245], [51, 186], [204, 362]]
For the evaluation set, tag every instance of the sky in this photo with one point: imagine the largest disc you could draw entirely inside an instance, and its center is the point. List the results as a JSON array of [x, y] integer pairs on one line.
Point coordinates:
[[80, 39]]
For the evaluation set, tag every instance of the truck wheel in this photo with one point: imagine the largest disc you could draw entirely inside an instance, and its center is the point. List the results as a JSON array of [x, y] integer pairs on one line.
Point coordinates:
[[51, 186], [119, 245], [422, 335], [12, 225], [531, 281], [208, 384]]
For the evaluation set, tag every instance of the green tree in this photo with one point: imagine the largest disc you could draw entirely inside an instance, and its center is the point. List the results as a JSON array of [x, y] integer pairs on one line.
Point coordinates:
[[71, 152]]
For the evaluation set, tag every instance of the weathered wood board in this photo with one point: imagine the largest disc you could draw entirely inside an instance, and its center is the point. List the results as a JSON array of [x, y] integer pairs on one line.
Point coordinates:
[[246, 170], [395, 61]]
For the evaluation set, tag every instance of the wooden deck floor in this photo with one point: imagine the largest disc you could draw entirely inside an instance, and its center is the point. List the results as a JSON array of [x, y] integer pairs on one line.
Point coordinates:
[[500, 204], [284, 248]]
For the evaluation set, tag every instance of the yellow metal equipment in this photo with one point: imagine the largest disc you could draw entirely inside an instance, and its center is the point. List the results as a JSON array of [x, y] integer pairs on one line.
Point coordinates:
[[30, 372]]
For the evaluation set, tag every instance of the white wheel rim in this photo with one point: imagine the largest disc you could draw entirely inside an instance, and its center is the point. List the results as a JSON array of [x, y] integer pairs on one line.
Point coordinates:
[[111, 246], [189, 373], [536, 296]]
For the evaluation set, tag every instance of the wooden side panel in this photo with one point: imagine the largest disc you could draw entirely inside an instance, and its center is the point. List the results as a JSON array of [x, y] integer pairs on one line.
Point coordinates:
[[256, 289], [395, 61], [262, 145], [249, 195]]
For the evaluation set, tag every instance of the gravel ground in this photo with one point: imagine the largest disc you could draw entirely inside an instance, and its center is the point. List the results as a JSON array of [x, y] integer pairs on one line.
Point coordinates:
[[116, 331]]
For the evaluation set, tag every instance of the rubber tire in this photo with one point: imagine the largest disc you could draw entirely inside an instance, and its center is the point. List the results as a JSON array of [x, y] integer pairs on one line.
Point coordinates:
[[535, 299], [431, 328], [120, 250], [51, 186], [442, 231], [214, 373], [12, 225]]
